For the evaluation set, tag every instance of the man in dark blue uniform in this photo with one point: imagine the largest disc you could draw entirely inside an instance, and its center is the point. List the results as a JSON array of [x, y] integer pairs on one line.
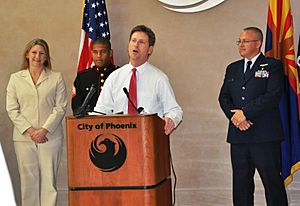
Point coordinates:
[[250, 97], [101, 54]]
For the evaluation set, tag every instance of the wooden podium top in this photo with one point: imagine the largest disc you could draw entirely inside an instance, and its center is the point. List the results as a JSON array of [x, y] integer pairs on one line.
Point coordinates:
[[113, 115], [117, 151]]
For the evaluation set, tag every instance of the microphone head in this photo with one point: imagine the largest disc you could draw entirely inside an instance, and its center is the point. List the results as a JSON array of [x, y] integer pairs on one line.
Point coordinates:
[[93, 86], [140, 109], [125, 90]]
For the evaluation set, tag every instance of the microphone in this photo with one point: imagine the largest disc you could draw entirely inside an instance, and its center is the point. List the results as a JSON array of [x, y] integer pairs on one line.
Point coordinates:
[[82, 110], [138, 110]]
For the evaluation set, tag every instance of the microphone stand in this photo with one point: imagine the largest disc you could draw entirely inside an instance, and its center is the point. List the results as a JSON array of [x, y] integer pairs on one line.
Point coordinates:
[[84, 108], [138, 110]]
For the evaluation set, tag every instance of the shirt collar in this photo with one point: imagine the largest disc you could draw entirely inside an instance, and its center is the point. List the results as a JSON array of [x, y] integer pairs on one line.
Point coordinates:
[[253, 59], [140, 68]]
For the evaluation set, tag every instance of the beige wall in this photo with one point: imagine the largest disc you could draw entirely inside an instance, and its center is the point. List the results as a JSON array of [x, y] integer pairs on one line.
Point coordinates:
[[193, 49]]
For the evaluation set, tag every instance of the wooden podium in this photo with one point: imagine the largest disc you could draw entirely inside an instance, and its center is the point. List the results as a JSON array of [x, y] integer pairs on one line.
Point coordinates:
[[119, 160]]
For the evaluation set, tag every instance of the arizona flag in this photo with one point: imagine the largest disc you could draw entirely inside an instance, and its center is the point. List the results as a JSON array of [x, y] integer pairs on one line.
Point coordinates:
[[298, 57], [280, 44], [94, 25]]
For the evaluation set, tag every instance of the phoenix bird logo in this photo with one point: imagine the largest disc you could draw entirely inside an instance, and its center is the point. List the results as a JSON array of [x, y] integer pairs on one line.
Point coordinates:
[[108, 153]]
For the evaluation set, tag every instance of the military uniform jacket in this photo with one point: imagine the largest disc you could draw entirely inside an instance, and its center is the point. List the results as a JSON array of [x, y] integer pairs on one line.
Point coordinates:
[[83, 82], [257, 93]]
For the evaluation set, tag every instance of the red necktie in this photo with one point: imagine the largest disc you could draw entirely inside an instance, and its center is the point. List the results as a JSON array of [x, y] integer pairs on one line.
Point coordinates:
[[132, 93]]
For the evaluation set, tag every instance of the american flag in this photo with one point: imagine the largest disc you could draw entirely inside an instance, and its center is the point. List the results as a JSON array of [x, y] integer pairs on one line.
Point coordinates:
[[94, 25]]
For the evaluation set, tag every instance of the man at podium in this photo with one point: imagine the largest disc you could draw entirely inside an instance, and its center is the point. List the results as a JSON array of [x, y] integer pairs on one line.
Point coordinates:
[[140, 87]]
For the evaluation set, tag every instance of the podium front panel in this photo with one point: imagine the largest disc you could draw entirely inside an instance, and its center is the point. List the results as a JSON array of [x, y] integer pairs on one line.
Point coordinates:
[[117, 151]]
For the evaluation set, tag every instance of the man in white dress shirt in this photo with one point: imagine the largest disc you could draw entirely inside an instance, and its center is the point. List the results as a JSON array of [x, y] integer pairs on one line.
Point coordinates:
[[154, 92]]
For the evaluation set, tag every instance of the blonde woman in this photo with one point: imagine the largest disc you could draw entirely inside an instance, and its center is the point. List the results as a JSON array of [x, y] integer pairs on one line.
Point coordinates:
[[36, 103]]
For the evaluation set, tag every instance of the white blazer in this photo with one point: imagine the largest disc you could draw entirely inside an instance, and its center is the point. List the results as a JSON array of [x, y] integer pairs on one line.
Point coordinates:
[[39, 106]]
